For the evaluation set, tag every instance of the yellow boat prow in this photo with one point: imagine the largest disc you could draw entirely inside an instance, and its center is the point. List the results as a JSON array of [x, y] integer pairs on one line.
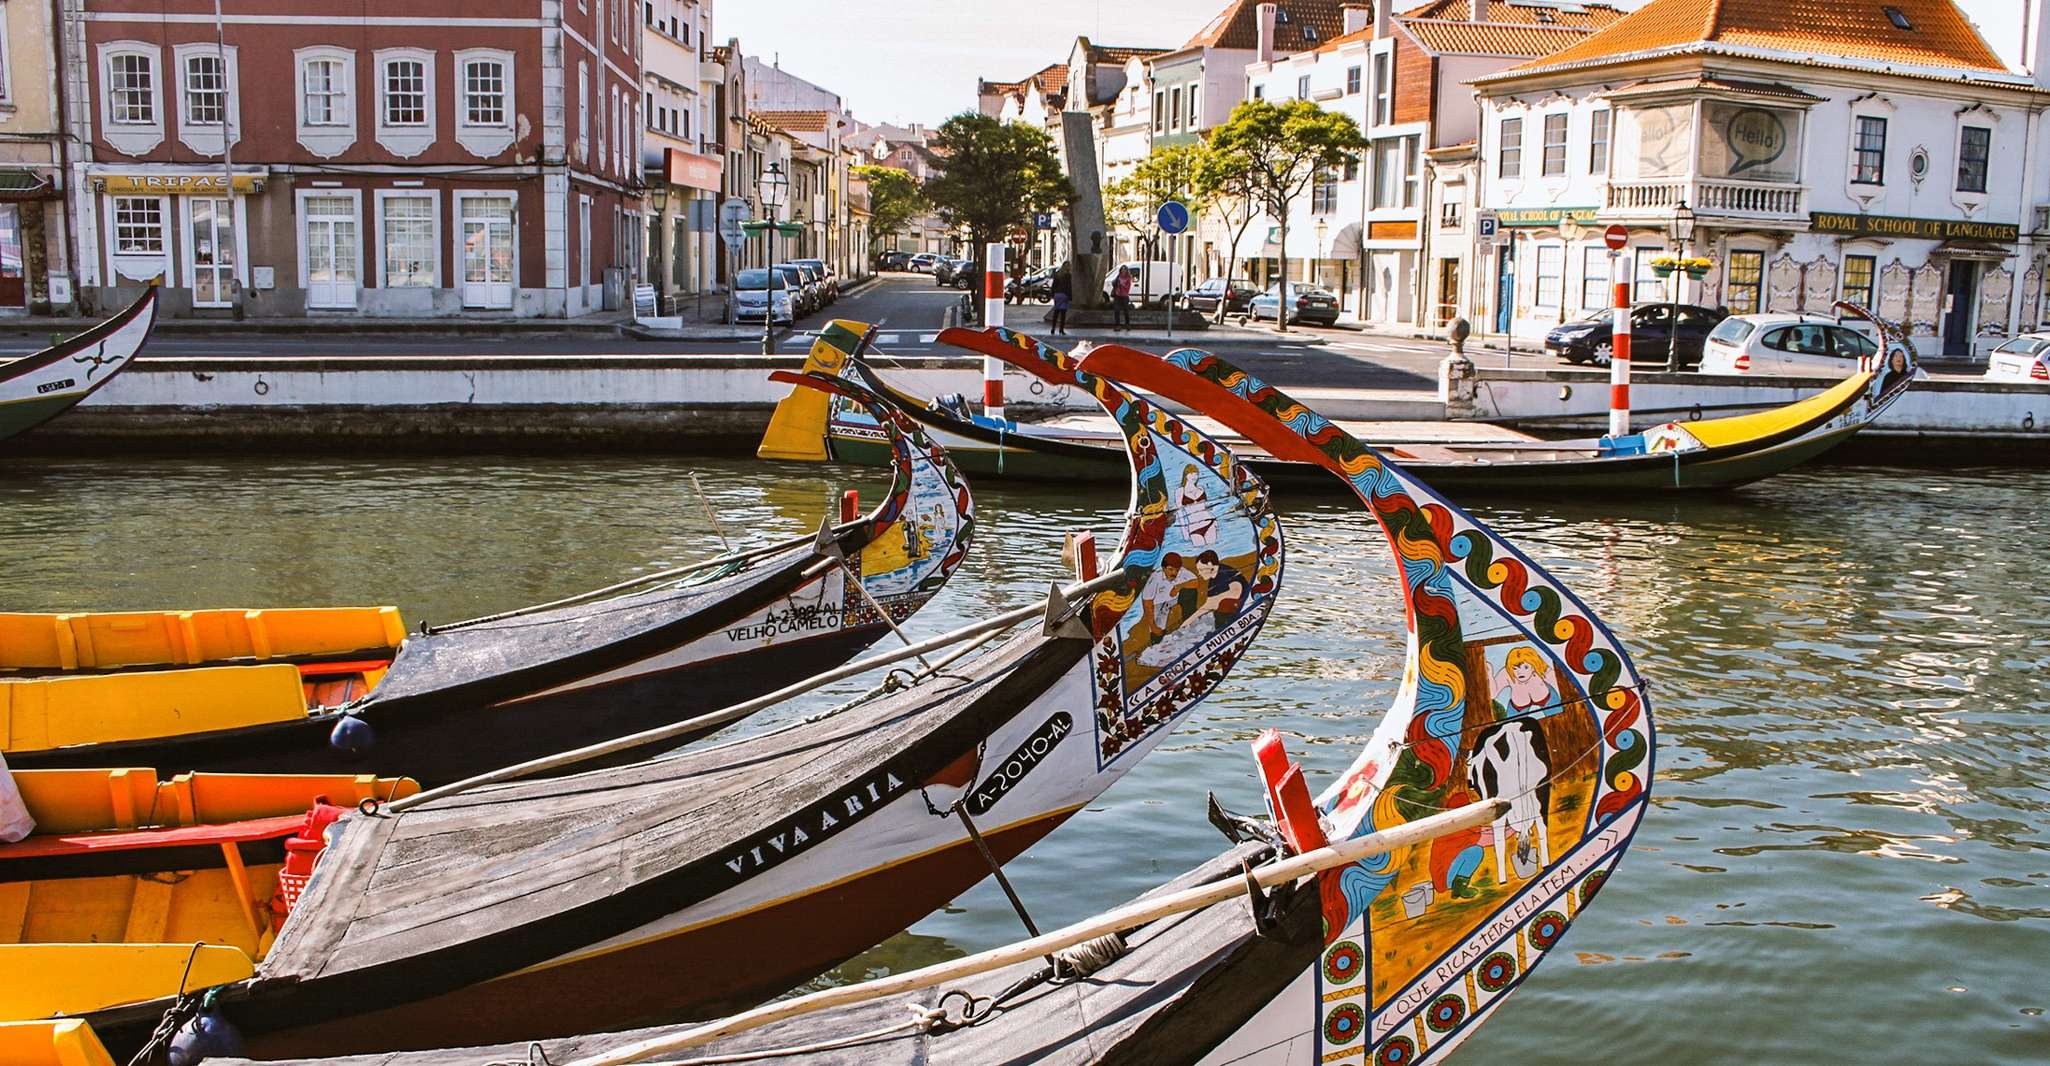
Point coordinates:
[[42, 980], [38, 714], [114, 640], [62, 1042], [1741, 429], [798, 428]]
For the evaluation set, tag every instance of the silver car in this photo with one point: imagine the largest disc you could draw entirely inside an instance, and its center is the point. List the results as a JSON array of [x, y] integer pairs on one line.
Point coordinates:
[[754, 296], [2025, 358]]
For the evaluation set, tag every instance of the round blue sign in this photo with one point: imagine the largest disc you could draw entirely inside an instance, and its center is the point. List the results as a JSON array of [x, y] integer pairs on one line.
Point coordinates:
[[1173, 217]]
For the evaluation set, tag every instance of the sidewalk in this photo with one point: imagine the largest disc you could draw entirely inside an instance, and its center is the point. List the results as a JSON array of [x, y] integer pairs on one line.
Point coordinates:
[[601, 323], [1032, 318]]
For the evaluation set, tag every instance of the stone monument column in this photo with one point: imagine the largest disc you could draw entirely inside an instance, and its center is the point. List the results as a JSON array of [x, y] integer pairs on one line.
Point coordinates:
[[1089, 235]]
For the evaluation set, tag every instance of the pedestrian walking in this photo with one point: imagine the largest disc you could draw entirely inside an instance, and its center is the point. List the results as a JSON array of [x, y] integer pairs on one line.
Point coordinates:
[[1063, 286], [1121, 299]]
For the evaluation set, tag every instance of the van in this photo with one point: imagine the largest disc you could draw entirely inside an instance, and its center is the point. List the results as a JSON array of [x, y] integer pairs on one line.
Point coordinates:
[[1150, 288]]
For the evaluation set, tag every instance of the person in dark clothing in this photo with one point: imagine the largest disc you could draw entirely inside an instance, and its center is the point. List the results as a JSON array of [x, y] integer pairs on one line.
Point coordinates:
[[1063, 286]]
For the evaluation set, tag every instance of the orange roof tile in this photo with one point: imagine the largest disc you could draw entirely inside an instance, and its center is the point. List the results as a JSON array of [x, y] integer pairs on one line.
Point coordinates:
[[1940, 35], [1443, 36], [1511, 13], [797, 121], [1238, 25]]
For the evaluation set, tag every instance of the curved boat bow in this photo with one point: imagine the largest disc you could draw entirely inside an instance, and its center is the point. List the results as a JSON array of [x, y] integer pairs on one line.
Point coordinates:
[[37, 388]]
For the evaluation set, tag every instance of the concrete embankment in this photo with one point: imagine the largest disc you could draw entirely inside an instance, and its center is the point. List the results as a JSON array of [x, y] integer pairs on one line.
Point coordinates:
[[1947, 418], [459, 403]]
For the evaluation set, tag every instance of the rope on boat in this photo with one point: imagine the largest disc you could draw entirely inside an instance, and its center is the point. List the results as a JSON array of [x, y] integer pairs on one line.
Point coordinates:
[[705, 502], [741, 710], [1130, 916]]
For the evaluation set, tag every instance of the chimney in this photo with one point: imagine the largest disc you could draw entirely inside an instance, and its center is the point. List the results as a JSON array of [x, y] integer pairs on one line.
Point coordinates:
[[2036, 40], [1265, 54], [1356, 16], [1477, 10], [1381, 13]]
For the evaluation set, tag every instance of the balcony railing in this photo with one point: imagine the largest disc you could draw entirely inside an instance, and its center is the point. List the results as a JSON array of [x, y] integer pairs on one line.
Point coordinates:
[[1743, 199]]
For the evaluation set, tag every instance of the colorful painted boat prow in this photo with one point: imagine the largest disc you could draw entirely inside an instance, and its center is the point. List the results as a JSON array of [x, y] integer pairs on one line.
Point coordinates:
[[37, 388], [1513, 690]]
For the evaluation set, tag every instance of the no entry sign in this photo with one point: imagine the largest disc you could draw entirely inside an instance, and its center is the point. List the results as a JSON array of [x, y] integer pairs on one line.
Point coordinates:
[[1616, 237]]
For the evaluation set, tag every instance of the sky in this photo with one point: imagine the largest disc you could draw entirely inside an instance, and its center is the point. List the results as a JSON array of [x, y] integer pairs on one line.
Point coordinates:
[[918, 60]]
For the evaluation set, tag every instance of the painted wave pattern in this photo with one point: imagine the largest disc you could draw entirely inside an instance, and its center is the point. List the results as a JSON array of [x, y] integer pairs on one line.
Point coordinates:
[[929, 501], [1450, 956], [1204, 547]]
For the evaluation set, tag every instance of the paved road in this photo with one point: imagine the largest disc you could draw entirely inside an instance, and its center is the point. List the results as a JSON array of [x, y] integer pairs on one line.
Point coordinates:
[[908, 307]]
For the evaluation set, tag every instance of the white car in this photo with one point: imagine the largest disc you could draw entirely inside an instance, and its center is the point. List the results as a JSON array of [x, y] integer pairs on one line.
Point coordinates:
[[2025, 358], [1791, 344]]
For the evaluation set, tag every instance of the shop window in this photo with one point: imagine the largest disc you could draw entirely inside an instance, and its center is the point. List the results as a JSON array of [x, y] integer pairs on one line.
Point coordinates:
[[409, 242], [1859, 272], [1746, 282], [138, 225]]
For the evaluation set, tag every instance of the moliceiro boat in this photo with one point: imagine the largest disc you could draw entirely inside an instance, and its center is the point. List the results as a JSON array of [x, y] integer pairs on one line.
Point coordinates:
[[1381, 922], [37, 388], [1706, 454], [717, 876], [457, 700]]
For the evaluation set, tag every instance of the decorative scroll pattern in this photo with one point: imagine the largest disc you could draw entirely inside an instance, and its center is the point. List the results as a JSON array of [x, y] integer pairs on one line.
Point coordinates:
[[1513, 691]]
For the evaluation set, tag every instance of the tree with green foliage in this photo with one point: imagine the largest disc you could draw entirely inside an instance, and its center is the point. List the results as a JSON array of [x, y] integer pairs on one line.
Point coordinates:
[[893, 201], [1226, 183], [1167, 173], [1285, 145], [993, 176]]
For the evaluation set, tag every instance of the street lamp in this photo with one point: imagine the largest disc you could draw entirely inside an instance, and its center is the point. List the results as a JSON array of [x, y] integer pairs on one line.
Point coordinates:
[[658, 198], [775, 184], [1683, 231]]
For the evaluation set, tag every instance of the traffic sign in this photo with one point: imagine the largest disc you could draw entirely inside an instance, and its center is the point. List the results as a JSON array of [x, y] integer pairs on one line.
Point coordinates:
[[1616, 237], [1173, 217], [1042, 220], [731, 214], [1487, 225]]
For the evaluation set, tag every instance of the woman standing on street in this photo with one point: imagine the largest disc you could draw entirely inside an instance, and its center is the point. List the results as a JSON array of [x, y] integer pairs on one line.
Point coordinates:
[[1121, 298], [1063, 286]]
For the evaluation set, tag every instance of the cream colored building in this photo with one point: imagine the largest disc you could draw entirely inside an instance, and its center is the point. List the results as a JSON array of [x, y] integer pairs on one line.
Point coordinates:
[[33, 262]]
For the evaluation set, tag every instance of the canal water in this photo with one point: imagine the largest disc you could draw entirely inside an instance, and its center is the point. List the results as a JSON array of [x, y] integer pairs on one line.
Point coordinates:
[[1847, 860]]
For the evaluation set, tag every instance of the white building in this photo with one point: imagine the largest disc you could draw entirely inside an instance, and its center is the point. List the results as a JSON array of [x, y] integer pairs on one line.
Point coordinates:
[[1883, 156], [680, 157]]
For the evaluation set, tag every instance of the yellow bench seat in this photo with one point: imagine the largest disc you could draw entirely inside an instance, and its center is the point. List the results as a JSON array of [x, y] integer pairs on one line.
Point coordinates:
[[86, 801], [111, 640], [41, 980], [41, 713]]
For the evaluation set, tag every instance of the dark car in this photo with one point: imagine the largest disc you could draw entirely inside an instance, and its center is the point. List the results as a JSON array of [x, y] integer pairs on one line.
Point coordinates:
[[893, 261], [802, 292], [1314, 304], [967, 274], [1236, 296], [826, 277], [1589, 339]]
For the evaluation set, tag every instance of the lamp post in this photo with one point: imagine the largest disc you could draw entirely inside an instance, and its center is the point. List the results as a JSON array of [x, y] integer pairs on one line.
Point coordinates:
[[1683, 231], [658, 198], [774, 185]]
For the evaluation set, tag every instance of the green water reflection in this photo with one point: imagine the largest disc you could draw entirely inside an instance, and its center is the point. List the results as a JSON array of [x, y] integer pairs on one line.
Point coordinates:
[[1847, 861]]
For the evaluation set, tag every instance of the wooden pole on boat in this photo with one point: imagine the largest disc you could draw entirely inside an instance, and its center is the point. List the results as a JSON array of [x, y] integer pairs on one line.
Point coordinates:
[[1130, 916], [1619, 364], [992, 317], [742, 710]]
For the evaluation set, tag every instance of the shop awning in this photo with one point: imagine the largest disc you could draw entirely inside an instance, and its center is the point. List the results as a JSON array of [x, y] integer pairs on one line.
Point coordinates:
[[1346, 245], [1967, 249], [17, 184]]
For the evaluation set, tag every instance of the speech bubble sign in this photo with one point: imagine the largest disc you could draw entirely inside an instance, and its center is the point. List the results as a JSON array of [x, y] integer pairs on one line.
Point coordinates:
[[1756, 138]]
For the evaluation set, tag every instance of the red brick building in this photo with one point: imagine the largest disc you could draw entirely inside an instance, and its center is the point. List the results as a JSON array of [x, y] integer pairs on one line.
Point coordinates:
[[400, 159]]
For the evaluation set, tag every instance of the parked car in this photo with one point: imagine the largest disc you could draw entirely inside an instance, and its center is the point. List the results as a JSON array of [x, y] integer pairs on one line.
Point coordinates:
[[1798, 344], [1313, 304], [803, 296], [1150, 289], [815, 276], [1235, 295], [759, 292], [1588, 339], [893, 261], [2024, 358], [826, 277], [1036, 287], [945, 267], [922, 263], [968, 275]]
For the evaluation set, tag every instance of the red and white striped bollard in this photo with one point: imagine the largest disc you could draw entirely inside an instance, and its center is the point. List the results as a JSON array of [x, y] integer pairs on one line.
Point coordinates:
[[992, 317], [1619, 365]]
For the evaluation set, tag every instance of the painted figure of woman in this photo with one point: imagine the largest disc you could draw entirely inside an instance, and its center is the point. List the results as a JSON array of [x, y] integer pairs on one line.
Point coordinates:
[[1200, 521], [1520, 686]]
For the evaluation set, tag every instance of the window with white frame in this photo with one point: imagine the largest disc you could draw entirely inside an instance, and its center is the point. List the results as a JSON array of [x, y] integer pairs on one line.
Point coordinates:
[[326, 91], [1387, 173], [1555, 144], [1510, 150], [1598, 142], [1452, 210], [1412, 168], [1194, 111], [1594, 278], [1352, 80], [205, 90], [1551, 275], [583, 111], [1383, 89], [484, 91], [1974, 151], [1302, 87], [1859, 273], [484, 94], [132, 89], [409, 242], [405, 91], [138, 225]]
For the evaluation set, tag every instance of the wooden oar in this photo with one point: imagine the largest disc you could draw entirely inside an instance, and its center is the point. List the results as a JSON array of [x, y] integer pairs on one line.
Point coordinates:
[[1129, 916], [742, 710]]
